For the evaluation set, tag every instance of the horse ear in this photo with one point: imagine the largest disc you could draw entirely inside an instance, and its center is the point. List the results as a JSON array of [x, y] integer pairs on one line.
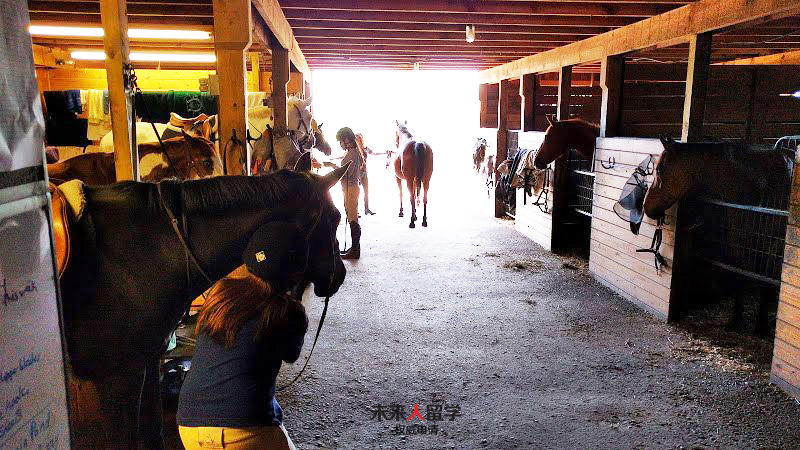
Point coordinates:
[[307, 101], [303, 163], [186, 135], [667, 143], [329, 180], [397, 122], [550, 119]]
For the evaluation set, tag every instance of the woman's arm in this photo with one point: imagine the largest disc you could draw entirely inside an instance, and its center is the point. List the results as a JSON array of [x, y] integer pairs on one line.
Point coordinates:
[[297, 325]]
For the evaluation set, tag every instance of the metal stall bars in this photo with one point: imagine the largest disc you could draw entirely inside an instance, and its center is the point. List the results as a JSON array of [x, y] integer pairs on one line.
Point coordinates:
[[748, 240], [580, 190]]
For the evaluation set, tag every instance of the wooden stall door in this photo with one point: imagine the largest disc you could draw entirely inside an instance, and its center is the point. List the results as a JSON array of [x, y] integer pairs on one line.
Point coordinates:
[[613, 258]]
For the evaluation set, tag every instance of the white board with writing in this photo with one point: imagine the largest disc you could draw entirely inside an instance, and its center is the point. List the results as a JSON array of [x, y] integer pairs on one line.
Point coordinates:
[[33, 400], [33, 406]]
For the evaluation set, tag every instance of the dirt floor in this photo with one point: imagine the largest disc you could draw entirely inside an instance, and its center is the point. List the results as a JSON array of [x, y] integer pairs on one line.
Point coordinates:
[[526, 346]]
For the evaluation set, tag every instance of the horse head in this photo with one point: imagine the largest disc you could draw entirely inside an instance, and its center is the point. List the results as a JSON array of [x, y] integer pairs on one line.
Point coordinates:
[[563, 135], [321, 143], [324, 264], [401, 133], [675, 174], [186, 157], [299, 116]]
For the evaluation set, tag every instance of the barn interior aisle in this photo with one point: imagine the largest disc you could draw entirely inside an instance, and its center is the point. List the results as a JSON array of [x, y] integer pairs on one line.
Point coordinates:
[[532, 350]]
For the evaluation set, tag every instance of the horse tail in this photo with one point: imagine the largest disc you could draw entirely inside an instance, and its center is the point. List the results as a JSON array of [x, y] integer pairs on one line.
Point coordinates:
[[419, 156]]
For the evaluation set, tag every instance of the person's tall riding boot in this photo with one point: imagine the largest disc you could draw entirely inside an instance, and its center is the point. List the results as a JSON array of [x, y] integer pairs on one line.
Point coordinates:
[[355, 250]]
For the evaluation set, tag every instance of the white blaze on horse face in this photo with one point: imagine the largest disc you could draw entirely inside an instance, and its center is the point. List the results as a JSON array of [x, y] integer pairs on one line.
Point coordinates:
[[151, 161]]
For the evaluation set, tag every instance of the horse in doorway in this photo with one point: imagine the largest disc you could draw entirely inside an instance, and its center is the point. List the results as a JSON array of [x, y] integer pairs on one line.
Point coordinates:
[[131, 277], [563, 135], [735, 174], [413, 163], [185, 158]]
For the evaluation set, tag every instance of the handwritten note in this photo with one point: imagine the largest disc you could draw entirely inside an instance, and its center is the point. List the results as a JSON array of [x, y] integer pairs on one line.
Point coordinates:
[[33, 413]]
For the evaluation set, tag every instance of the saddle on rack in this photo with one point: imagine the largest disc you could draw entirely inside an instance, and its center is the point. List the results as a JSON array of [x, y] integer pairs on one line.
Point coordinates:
[[67, 205], [190, 124]]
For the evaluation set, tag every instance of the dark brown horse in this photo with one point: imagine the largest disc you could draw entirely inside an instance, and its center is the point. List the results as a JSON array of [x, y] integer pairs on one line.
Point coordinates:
[[737, 174], [127, 288], [414, 163], [183, 157], [725, 171], [563, 135]]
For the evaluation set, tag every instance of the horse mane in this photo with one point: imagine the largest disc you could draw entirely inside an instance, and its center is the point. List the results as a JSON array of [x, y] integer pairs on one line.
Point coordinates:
[[404, 130], [583, 122], [267, 191]]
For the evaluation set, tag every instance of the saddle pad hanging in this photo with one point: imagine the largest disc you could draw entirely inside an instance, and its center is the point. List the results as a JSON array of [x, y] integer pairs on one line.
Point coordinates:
[[630, 206]]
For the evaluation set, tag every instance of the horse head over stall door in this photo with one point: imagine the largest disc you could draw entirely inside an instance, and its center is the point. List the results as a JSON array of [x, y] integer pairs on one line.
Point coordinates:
[[413, 163], [563, 135], [737, 207], [128, 285]]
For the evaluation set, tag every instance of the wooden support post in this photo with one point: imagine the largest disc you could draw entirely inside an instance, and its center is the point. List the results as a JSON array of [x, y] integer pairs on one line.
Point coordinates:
[[694, 104], [280, 77], [503, 107], [483, 97], [255, 70], [612, 79], [232, 24], [120, 93], [527, 90], [564, 87]]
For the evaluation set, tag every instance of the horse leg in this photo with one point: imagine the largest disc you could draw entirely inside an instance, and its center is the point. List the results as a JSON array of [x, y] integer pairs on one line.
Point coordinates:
[[425, 185], [400, 188], [767, 294], [150, 415], [119, 399], [410, 186]]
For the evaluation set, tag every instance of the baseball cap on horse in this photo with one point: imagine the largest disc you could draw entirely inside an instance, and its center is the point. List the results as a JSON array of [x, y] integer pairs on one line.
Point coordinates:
[[276, 252], [345, 133]]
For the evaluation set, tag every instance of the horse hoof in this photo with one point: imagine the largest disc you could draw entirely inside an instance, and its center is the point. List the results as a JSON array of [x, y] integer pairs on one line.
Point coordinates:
[[400, 215], [411, 225], [424, 223]]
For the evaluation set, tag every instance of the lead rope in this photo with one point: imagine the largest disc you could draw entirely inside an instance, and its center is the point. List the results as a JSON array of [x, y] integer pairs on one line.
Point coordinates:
[[321, 317], [313, 346]]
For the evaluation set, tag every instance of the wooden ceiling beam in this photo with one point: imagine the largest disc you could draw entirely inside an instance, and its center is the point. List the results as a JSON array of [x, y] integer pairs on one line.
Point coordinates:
[[426, 36], [458, 19], [481, 30], [785, 58], [668, 28], [94, 20], [270, 15], [152, 9], [644, 9]]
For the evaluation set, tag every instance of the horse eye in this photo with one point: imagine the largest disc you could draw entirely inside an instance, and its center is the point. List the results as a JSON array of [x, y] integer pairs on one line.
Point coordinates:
[[209, 164]]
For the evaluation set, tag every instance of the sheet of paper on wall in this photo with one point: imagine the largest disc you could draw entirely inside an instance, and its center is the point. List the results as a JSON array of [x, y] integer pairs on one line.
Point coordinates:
[[33, 403]]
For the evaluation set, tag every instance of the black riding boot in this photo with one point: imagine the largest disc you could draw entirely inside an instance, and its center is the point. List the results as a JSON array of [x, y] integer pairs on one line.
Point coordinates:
[[355, 249]]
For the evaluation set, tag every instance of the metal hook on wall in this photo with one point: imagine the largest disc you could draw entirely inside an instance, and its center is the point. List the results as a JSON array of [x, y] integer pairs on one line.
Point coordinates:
[[612, 162]]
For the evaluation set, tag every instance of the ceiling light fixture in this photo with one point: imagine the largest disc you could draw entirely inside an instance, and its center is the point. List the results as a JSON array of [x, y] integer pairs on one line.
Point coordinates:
[[470, 33], [154, 57], [796, 94], [416, 67], [133, 33]]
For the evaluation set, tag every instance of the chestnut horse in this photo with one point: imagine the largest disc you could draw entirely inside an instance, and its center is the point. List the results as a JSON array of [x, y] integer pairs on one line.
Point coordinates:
[[414, 163], [563, 135], [183, 157]]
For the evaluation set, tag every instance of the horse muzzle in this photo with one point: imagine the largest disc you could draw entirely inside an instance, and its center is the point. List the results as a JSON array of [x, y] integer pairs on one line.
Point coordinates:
[[330, 285]]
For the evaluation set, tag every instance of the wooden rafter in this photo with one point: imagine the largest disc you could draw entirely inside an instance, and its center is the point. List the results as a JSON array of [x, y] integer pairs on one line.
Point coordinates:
[[666, 29], [792, 57]]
